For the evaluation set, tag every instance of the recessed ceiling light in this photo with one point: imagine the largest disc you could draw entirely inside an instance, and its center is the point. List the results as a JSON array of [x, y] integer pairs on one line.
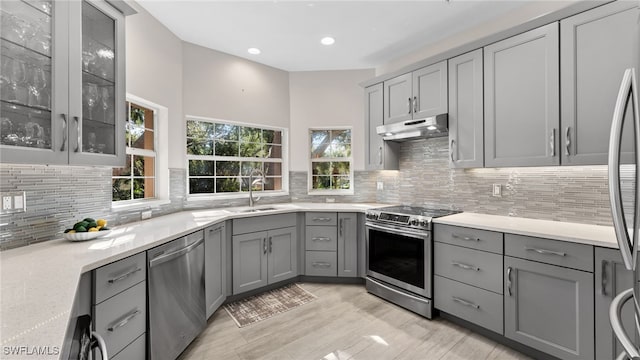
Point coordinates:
[[327, 40], [253, 51]]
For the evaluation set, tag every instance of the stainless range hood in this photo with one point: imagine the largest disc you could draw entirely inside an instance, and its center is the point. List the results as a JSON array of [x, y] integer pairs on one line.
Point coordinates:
[[435, 126]]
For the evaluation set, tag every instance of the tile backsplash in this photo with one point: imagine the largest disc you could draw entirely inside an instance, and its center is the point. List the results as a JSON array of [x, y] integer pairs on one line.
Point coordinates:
[[59, 195]]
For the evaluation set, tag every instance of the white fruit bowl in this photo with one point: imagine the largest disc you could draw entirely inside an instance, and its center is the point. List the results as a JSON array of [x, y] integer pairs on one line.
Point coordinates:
[[84, 236]]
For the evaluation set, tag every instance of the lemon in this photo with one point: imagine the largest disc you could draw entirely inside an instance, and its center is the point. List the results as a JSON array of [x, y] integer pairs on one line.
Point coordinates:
[[93, 229], [101, 222], [71, 232]]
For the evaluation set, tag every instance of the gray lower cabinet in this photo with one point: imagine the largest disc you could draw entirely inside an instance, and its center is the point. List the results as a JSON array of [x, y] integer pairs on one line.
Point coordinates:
[[380, 154], [215, 266], [597, 46], [264, 257], [549, 308], [347, 244], [522, 100], [611, 278], [466, 111]]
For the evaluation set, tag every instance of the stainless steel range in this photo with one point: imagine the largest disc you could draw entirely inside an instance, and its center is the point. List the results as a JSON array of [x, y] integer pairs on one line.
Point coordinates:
[[399, 255]]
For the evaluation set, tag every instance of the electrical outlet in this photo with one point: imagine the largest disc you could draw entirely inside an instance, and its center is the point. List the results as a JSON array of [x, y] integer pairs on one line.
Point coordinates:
[[497, 190], [6, 202], [330, 200], [145, 215], [380, 185]]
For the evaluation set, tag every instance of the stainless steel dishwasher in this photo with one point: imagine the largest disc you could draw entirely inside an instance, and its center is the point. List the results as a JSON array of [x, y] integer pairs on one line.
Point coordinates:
[[177, 312]]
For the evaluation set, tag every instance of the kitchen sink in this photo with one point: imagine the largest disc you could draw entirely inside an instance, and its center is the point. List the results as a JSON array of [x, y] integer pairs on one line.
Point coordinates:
[[257, 210]]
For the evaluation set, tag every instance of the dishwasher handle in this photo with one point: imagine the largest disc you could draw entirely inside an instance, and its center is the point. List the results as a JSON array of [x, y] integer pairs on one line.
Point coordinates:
[[172, 255]]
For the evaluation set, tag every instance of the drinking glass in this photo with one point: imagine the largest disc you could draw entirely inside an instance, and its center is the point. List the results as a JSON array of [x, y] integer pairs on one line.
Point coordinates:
[[5, 76], [18, 74], [91, 96], [89, 56], [104, 100], [37, 82]]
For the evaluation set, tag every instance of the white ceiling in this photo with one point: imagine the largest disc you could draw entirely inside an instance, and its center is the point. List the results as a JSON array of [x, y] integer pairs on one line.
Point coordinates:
[[368, 33]]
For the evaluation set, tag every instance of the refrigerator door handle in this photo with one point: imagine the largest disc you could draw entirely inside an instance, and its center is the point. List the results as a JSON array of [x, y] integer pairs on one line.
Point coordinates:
[[615, 316], [625, 243]]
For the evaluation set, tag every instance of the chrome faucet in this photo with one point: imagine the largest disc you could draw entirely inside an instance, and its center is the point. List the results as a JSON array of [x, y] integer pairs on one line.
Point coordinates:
[[252, 182]]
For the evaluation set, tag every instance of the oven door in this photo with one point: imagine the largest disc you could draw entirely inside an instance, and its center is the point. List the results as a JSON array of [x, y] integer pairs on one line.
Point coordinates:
[[400, 257]]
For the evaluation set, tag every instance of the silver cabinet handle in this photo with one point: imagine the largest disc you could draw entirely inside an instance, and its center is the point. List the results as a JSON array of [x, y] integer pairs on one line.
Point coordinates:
[[264, 245], [465, 238], [546, 252], [124, 321], [509, 280], [64, 131], [465, 302], [321, 264], [124, 276], [322, 219], [101, 345], [451, 149], [415, 104], [270, 244], [77, 119], [320, 238], [219, 228], [410, 105], [603, 282], [567, 143], [380, 155], [340, 226], [465, 266], [552, 142]]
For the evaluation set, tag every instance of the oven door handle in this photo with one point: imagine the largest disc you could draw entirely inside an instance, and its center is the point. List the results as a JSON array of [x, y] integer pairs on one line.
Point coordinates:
[[421, 234]]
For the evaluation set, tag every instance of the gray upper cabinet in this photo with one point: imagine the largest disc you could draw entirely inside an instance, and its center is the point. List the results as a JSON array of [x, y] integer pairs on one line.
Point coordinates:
[[466, 111], [215, 266], [597, 46], [380, 155], [611, 278], [415, 95], [521, 104], [66, 102], [347, 244], [549, 308]]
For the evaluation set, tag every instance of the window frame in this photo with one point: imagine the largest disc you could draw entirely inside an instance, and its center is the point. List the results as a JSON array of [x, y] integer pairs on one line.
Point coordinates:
[[310, 189], [284, 161]]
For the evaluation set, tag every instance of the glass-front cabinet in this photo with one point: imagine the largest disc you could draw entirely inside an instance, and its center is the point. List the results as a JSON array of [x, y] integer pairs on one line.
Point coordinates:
[[62, 95]]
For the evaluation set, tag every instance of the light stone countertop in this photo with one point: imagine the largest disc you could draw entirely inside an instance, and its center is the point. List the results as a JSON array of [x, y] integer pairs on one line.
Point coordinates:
[[38, 282], [573, 232]]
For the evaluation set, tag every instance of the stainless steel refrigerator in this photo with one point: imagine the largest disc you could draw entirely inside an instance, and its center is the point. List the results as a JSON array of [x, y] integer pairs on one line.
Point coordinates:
[[624, 192]]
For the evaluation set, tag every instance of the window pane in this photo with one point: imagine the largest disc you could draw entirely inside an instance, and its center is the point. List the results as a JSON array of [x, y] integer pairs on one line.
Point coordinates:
[[251, 150], [227, 185], [199, 129], [257, 184], [227, 168], [248, 166], [121, 189], [340, 168], [199, 147], [320, 143], [200, 168], [226, 148], [273, 183], [137, 115], [271, 169], [273, 152], [138, 188], [143, 166], [321, 182], [140, 138], [272, 136], [123, 171], [198, 186], [320, 168], [227, 132], [340, 182], [249, 134]]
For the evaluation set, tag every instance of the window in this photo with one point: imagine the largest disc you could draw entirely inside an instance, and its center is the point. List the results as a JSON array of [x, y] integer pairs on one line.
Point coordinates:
[[331, 162], [137, 180], [221, 155]]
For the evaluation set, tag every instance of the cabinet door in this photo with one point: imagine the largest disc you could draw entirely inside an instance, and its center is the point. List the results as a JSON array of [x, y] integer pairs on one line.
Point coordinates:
[[430, 90], [381, 155], [466, 114], [549, 308], [34, 105], [398, 100], [521, 104], [597, 46], [611, 279], [249, 261], [214, 267], [96, 84], [283, 254], [348, 244]]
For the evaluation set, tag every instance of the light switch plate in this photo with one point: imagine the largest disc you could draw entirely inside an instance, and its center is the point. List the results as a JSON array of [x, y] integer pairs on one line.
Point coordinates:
[[145, 215], [380, 185], [497, 190]]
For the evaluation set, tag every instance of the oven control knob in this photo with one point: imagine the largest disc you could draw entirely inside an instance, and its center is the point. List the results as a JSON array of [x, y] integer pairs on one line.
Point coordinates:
[[415, 222], [424, 223]]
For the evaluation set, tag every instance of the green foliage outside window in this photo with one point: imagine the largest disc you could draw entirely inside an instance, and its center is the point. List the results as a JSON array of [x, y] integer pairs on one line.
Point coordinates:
[[330, 159]]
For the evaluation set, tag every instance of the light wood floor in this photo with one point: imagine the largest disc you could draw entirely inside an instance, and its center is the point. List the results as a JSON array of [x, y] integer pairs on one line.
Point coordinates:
[[345, 322]]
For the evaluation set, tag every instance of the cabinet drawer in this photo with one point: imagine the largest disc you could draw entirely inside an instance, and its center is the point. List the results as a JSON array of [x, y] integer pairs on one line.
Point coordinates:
[[122, 318], [118, 276], [321, 263], [262, 223], [324, 238], [135, 350], [472, 238], [473, 267], [561, 253], [478, 306], [321, 218]]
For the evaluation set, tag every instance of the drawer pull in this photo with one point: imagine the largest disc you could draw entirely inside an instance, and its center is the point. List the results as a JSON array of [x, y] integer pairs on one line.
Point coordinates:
[[465, 238], [546, 252], [465, 266], [322, 219], [321, 238], [465, 302], [509, 280], [321, 264], [124, 321], [124, 276]]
